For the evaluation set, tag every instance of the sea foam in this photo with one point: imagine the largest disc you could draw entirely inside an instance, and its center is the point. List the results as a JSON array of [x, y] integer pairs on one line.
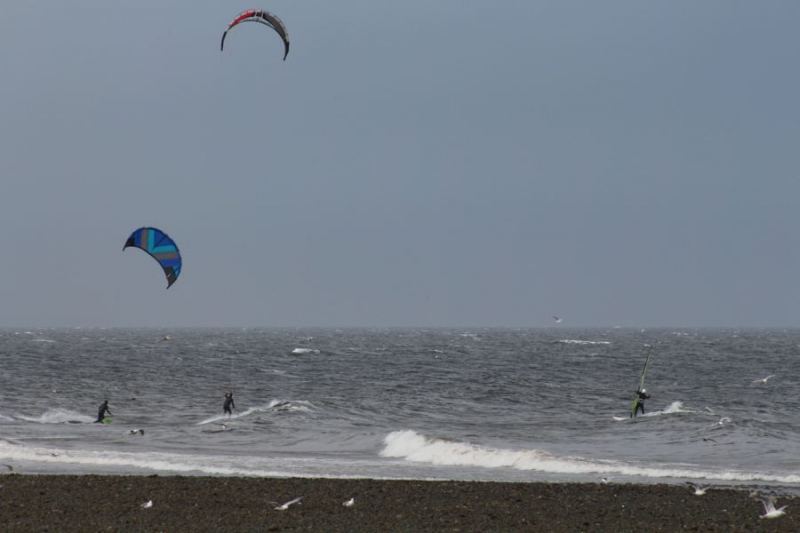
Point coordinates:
[[412, 446]]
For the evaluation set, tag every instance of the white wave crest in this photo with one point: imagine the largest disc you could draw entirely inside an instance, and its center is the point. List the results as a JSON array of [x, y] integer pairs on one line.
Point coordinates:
[[149, 461], [412, 446], [578, 341], [274, 405], [301, 351], [674, 407], [49, 341], [4, 418], [58, 416]]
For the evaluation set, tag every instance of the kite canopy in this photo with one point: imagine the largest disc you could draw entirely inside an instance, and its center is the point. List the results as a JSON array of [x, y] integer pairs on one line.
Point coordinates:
[[262, 17], [161, 248]]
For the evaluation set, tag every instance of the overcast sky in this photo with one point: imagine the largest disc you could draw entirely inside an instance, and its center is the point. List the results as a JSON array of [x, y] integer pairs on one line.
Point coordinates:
[[416, 163]]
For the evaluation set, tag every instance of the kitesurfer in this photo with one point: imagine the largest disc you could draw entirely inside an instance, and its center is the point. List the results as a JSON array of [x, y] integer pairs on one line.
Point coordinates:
[[102, 410], [641, 396], [228, 405]]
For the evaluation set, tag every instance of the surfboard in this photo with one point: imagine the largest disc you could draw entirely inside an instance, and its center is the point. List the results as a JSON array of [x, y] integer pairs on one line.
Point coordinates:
[[106, 420], [635, 401]]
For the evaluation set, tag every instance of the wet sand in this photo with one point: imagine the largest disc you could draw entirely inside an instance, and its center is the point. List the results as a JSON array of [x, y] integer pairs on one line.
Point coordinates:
[[113, 503]]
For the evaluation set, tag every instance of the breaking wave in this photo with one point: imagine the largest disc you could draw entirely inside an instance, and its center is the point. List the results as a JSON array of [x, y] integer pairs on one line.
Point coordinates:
[[412, 446], [58, 416], [273, 406], [301, 351]]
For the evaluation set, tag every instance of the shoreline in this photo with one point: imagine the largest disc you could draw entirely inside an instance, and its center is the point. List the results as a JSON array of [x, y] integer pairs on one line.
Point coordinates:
[[193, 503]]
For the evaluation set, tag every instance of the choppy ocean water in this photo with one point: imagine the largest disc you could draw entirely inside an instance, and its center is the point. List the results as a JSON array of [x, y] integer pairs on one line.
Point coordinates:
[[515, 405]]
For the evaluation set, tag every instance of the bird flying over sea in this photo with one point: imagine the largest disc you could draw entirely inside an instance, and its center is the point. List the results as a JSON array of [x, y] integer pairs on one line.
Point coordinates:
[[764, 380], [350, 502]]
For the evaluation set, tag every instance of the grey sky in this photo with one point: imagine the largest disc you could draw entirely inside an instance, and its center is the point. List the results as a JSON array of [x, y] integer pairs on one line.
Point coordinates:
[[445, 163]]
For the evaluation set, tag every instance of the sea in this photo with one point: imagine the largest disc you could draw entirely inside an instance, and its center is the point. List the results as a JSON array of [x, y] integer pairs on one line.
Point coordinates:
[[550, 404]]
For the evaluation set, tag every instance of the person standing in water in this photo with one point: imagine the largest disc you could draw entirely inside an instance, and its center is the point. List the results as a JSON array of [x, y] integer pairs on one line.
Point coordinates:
[[228, 405], [102, 411]]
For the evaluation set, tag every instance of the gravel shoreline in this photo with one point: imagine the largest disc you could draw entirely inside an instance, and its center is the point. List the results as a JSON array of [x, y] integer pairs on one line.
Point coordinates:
[[196, 504]]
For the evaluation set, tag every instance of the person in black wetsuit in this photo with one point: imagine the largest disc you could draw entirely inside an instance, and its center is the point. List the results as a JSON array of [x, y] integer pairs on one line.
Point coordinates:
[[641, 396], [228, 405], [102, 410]]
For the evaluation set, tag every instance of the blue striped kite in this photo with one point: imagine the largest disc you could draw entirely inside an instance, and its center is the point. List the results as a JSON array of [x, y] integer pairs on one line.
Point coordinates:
[[161, 248]]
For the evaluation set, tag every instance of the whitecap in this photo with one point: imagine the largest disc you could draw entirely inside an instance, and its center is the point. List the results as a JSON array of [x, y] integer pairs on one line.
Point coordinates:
[[414, 447], [301, 351], [274, 405], [58, 416]]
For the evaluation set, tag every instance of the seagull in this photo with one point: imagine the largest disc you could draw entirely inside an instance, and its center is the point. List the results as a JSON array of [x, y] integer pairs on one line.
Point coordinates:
[[350, 502], [769, 507], [698, 489], [147, 505], [557, 319], [604, 480], [763, 380], [286, 505], [136, 432]]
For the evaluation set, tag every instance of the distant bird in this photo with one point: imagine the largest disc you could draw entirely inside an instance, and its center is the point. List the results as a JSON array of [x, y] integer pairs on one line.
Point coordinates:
[[286, 505], [136, 432], [350, 502], [604, 480], [763, 380], [769, 506], [166, 338], [707, 439], [147, 505], [698, 489], [557, 319]]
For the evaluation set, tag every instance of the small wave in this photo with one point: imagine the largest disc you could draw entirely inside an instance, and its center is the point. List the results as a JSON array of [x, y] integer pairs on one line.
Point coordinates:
[[579, 341], [412, 446], [674, 407], [301, 351], [291, 406], [4, 418], [58, 416], [49, 341], [274, 405], [148, 461]]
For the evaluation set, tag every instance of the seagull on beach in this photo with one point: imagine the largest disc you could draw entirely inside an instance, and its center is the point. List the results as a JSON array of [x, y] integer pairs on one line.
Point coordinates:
[[763, 380], [350, 502], [147, 505], [604, 480], [699, 490], [769, 506], [286, 505]]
